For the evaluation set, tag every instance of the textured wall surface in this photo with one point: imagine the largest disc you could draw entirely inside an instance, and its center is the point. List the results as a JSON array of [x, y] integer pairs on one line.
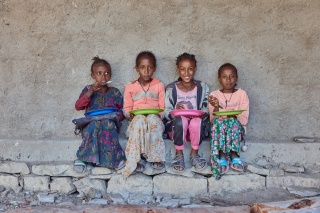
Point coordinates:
[[46, 49]]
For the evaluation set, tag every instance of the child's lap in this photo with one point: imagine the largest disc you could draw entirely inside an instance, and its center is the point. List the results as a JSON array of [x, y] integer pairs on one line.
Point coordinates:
[[105, 124], [152, 122]]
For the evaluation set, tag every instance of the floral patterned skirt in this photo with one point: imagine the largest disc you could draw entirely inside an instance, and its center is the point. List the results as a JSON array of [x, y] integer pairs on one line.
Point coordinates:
[[100, 144], [144, 138], [226, 135]]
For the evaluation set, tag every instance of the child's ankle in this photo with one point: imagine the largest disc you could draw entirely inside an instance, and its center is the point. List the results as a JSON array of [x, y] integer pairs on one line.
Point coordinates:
[[234, 155], [222, 155]]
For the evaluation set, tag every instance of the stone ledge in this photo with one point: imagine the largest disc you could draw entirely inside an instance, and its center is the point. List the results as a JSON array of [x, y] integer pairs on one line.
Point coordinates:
[[14, 168], [260, 153], [236, 183], [136, 183], [9, 181], [179, 185], [61, 178], [302, 180]]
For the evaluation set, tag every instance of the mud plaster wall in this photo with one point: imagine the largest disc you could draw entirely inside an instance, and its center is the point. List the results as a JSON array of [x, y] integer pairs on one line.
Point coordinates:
[[46, 47]]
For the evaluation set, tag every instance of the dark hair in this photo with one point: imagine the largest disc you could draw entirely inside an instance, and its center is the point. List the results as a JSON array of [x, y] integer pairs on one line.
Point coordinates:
[[186, 56], [229, 66], [97, 60], [146, 54]]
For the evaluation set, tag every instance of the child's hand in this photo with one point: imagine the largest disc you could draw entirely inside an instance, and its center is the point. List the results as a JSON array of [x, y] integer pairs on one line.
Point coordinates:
[[180, 106], [131, 117], [214, 101], [94, 87]]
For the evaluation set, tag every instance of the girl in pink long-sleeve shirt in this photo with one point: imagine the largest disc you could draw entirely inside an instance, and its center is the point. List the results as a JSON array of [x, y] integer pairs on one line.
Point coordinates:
[[227, 131], [145, 142]]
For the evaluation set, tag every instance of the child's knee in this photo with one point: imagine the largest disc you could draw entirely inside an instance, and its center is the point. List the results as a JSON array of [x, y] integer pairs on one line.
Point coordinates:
[[195, 123], [180, 122], [153, 118]]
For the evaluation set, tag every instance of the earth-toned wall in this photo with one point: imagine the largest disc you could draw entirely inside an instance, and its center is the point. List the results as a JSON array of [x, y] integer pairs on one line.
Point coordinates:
[[46, 49]]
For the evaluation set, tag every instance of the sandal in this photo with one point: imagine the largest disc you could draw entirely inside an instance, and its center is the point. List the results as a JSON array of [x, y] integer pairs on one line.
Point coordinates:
[[141, 165], [79, 166], [239, 162], [158, 165], [223, 162], [196, 161], [178, 161]]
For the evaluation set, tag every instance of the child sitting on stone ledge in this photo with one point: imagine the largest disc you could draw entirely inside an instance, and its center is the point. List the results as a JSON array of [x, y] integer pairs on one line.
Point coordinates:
[[100, 143]]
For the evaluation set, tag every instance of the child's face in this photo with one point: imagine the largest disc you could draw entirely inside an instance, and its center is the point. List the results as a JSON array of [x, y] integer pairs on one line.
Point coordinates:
[[228, 78], [101, 73], [146, 68], [186, 70]]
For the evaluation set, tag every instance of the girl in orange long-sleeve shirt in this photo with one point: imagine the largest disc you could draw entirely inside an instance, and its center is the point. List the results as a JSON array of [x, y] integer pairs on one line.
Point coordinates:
[[145, 142]]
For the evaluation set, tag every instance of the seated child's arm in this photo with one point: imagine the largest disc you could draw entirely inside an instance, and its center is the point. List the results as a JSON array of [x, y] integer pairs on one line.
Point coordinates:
[[83, 100], [169, 104], [244, 116], [128, 102], [161, 97], [119, 104], [204, 105]]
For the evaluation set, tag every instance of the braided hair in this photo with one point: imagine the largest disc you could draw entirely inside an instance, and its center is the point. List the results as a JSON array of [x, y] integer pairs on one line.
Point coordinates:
[[186, 56]]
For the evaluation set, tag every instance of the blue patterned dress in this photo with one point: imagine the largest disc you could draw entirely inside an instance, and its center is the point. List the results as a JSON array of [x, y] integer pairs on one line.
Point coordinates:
[[100, 141]]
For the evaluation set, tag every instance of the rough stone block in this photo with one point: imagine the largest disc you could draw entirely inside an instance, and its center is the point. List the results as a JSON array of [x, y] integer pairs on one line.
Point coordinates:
[[88, 186], [301, 180], [184, 201], [67, 204], [9, 181], [45, 198], [276, 172], [236, 183], [36, 183], [14, 168], [178, 185], [101, 177], [304, 191], [117, 199], [125, 194], [292, 169], [136, 183], [258, 170], [98, 202], [140, 199], [63, 185], [172, 203], [56, 170], [101, 171]]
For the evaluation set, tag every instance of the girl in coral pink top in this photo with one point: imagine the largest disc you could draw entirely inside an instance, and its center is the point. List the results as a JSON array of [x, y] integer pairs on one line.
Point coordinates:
[[145, 142], [227, 131]]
